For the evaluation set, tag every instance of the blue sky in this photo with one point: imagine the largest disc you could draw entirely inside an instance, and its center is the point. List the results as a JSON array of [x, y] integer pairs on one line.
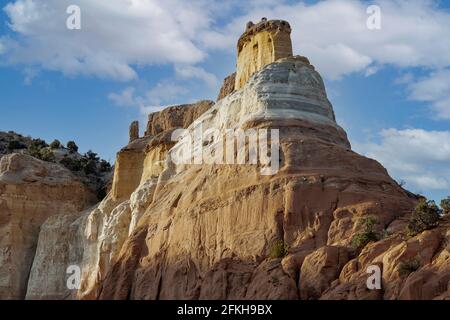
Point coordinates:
[[390, 88]]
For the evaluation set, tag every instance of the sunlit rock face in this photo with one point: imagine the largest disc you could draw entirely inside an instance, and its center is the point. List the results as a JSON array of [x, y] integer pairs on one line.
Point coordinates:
[[225, 231], [289, 89], [260, 45], [208, 231]]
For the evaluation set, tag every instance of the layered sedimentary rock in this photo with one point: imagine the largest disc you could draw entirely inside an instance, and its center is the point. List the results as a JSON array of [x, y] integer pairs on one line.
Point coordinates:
[[175, 117], [92, 239], [171, 230], [208, 232], [259, 45], [30, 192]]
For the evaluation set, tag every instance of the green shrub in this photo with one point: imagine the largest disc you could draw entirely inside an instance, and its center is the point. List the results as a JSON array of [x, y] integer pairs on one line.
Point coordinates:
[[361, 239], [72, 146], [71, 164], [56, 144], [105, 166], [406, 267], [46, 154], [445, 205], [425, 216], [92, 156], [15, 145], [278, 249], [35, 147], [90, 167]]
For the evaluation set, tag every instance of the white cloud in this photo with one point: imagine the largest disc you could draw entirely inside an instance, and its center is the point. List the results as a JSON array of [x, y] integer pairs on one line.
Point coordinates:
[[191, 72], [435, 89], [126, 98], [114, 35], [419, 157], [333, 34], [118, 34], [163, 94]]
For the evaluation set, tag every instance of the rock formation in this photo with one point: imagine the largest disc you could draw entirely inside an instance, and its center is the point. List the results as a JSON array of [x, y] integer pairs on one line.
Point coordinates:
[[227, 87], [134, 131], [31, 191], [172, 230], [261, 44]]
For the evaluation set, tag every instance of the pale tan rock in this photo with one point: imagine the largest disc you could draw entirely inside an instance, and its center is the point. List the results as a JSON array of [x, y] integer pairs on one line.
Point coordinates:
[[175, 117], [319, 269], [30, 192], [209, 227], [59, 247], [182, 231], [260, 45]]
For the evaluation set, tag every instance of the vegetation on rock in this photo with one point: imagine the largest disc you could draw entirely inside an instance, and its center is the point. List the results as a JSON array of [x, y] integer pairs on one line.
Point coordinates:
[[445, 205], [407, 267], [56, 144], [361, 239], [72, 146], [425, 216], [278, 249], [92, 170]]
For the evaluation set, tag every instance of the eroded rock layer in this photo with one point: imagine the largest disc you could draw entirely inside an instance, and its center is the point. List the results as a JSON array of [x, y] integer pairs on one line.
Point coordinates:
[[199, 231]]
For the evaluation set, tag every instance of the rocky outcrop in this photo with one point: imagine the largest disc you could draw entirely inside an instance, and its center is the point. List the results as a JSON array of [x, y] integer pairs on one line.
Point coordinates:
[[31, 191], [134, 131], [175, 117], [260, 45], [96, 236], [227, 86], [426, 280], [222, 230], [210, 227]]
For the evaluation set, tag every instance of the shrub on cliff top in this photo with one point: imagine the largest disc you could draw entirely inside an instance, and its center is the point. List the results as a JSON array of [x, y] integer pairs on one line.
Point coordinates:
[[46, 154], [71, 164], [72, 146], [15, 145], [445, 205], [425, 216], [56, 144], [105, 166]]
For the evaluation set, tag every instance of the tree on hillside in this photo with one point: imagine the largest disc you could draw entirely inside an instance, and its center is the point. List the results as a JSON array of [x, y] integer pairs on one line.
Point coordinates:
[[35, 147], [445, 205], [425, 216], [56, 144], [92, 156], [15, 145], [72, 146]]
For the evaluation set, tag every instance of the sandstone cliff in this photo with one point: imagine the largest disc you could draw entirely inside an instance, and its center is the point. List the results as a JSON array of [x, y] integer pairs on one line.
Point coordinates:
[[224, 231], [31, 191], [278, 229]]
